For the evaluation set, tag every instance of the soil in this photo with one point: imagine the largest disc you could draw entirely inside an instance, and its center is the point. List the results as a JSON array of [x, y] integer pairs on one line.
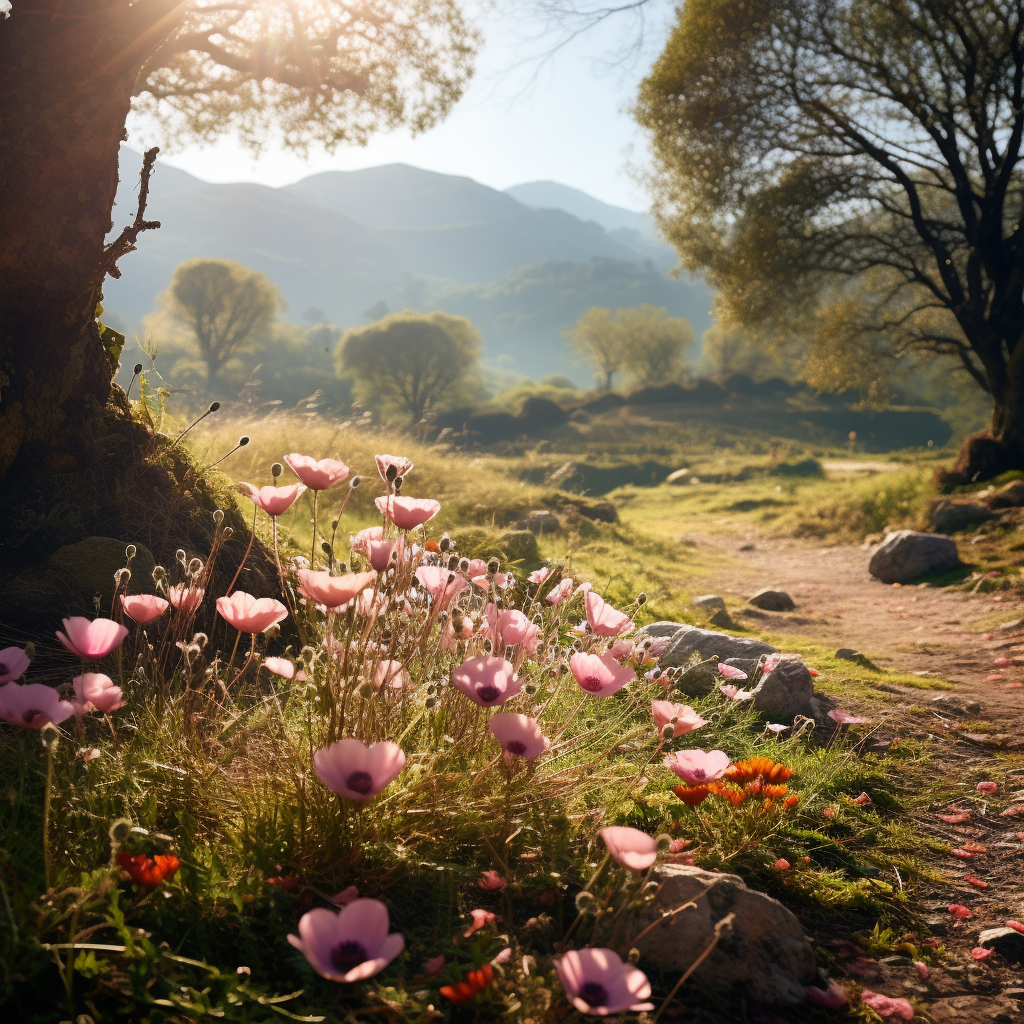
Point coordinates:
[[956, 636]]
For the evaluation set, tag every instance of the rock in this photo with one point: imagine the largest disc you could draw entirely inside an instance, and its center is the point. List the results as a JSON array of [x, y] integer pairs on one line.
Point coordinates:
[[680, 476], [849, 654], [686, 640], [1007, 942], [765, 959], [709, 603], [519, 545], [721, 619], [956, 706], [698, 680], [1010, 495], [748, 665], [948, 515], [92, 563], [769, 600], [746, 547], [788, 691], [906, 555], [542, 521]]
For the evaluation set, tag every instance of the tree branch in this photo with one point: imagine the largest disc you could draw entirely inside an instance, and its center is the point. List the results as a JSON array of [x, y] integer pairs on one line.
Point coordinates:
[[125, 242]]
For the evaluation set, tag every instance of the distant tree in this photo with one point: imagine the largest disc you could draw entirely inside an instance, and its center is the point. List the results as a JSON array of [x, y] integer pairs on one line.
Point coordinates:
[[733, 350], [598, 339], [654, 343], [412, 361], [224, 307], [848, 171]]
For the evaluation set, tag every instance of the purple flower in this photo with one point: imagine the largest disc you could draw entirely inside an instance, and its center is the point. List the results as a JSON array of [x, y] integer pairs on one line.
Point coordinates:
[[350, 946]]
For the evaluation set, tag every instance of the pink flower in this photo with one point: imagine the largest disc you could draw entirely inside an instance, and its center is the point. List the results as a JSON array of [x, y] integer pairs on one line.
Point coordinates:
[[735, 693], [681, 717], [539, 576], [13, 662], [697, 766], [32, 705], [630, 847], [143, 608], [349, 946], [776, 728], [391, 467], [846, 719], [250, 614], [862, 799], [394, 673], [519, 735], [600, 675], [487, 681], [831, 998], [186, 599], [280, 667], [442, 585], [333, 591], [491, 881], [731, 672], [604, 620], [385, 553], [434, 965], [90, 754], [959, 912], [345, 897], [596, 981], [407, 513], [981, 953], [560, 591], [317, 476], [504, 956], [273, 500], [508, 626], [356, 771], [782, 864], [97, 692], [922, 970], [987, 787], [92, 640], [887, 1006], [481, 918]]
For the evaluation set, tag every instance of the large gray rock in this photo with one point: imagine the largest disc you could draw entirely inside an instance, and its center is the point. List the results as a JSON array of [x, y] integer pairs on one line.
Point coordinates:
[[709, 603], [949, 514], [788, 691], [687, 640], [765, 958], [1011, 495], [1007, 942], [770, 600], [92, 563], [906, 555]]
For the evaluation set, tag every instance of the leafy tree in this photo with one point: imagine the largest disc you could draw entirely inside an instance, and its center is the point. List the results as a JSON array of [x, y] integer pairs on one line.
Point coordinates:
[[321, 72], [412, 361], [847, 171], [597, 338], [733, 350], [223, 307]]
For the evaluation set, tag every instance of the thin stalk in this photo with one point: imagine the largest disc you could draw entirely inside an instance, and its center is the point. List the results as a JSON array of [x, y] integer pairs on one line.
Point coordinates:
[[720, 929], [312, 547], [47, 866], [252, 537]]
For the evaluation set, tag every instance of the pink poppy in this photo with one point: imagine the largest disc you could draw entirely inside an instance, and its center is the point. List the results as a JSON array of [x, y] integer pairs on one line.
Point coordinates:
[[92, 640], [143, 608], [391, 467], [356, 771], [442, 585], [332, 591], [735, 693], [630, 847], [922, 970], [97, 692], [600, 675], [782, 864], [509, 626], [13, 662], [731, 672], [697, 766], [560, 591], [987, 787], [481, 918], [273, 500], [382, 554], [32, 705], [887, 1006], [358, 541], [487, 681], [407, 513], [959, 912], [345, 897], [832, 998], [622, 650], [681, 717], [186, 599], [317, 476], [981, 953], [862, 799], [394, 673], [842, 718], [603, 619], [250, 614], [597, 982], [351, 945], [539, 576], [434, 965], [491, 881], [519, 735], [280, 667]]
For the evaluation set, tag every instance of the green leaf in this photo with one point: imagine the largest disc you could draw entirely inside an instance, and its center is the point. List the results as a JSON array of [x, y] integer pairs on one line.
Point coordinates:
[[113, 343]]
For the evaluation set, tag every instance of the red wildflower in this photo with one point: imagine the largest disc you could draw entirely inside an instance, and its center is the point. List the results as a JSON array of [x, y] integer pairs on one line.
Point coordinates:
[[955, 819], [790, 802], [774, 792], [733, 794], [145, 872], [464, 991], [959, 912], [284, 881], [763, 768], [692, 795], [976, 882]]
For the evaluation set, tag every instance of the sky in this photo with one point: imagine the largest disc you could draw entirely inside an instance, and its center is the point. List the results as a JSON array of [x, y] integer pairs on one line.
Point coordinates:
[[523, 118]]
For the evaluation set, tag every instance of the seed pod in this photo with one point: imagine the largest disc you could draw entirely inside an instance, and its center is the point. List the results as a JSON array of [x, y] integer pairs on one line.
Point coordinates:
[[179, 555], [365, 689], [585, 902], [195, 567], [276, 470], [119, 830], [444, 543], [129, 552], [218, 516], [229, 532]]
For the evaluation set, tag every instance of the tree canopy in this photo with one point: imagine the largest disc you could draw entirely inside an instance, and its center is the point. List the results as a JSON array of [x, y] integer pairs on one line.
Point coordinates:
[[847, 171]]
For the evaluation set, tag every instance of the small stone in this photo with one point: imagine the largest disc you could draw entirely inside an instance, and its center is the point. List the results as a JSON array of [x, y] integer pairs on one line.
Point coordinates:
[[720, 618], [1010, 495], [686, 640], [709, 603], [1007, 942], [897, 961], [849, 654], [746, 547], [770, 600], [907, 555], [949, 515], [542, 521], [680, 476]]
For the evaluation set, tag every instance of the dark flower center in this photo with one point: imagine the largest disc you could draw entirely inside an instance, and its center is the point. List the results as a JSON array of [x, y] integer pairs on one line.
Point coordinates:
[[488, 693], [593, 993], [591, 684], [349, 954], [699, 773], [32, 714], [516, 747], [361, 783]]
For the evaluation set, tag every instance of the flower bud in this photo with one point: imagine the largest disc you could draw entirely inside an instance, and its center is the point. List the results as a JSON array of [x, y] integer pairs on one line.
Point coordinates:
[[214, 406], [276, 470], [633, 956], [326, 548], [195, 567], [179, 555], [138, 369], [668, 731], [122, 576], [129, 552], [218, 516], [492, 566], [355, 482], [50, 736], [664, 842], [584, 902], [641, 599], [444, 543], [272, 631], [397, 485], [229, 532], [159, 573], [243, 441], [120, 829]]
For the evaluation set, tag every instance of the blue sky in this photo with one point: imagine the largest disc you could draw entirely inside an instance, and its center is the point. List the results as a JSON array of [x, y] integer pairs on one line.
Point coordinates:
[[565, 119]]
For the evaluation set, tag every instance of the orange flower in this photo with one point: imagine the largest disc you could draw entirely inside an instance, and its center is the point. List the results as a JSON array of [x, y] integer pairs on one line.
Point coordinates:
[[763, 768], [733, 794], [775, 792], [693, 795], [790, 802], [464, 991], [148, 873]]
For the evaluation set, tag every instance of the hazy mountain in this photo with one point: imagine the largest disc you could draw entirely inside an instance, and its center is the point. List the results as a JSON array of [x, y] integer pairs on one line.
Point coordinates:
[[552, 195], [404, 237]]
